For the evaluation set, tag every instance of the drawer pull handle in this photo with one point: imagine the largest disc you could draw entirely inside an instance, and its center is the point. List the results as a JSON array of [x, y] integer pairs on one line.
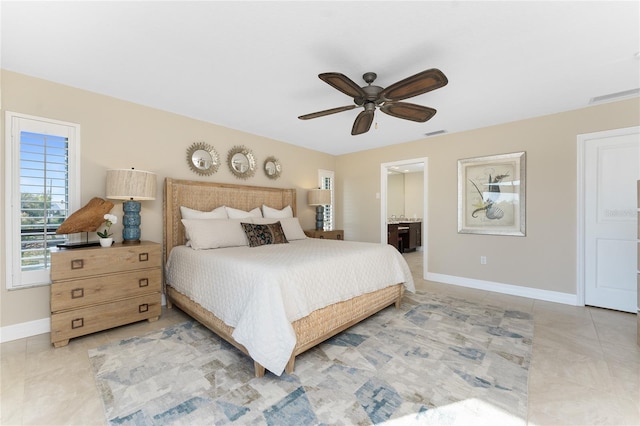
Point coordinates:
[[143, 282], [143, 308], [143, 257], [77, 323], [77, 293], [77, 264]]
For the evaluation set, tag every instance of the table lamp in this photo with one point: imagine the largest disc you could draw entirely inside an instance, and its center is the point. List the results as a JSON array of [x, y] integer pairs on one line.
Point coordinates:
[[319, 198], [133, 186]]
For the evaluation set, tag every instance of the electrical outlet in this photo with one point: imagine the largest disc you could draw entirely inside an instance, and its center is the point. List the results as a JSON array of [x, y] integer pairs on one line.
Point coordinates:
[[483, 260]]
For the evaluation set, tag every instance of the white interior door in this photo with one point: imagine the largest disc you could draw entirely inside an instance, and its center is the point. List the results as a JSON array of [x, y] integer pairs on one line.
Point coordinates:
[[611, 171]]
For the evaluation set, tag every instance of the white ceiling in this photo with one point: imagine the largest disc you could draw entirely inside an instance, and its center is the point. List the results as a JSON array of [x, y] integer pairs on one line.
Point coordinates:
[[253, 66]]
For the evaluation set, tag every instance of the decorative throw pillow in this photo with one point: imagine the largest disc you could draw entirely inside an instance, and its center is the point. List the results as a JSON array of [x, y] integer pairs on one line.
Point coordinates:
[[241, 214], [214, 233], [217, 213], [270, 212], [260, 235], [290, 225]]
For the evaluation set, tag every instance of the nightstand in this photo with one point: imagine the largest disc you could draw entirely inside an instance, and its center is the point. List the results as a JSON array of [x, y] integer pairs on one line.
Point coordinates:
[[336, 234], [97, 288]]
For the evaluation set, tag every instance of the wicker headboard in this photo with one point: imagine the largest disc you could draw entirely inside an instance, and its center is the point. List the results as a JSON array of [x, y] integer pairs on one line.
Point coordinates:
[[206, 196]]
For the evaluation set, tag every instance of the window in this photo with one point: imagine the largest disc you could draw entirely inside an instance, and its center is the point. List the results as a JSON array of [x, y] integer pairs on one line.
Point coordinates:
[[41, 169], [327, 179]]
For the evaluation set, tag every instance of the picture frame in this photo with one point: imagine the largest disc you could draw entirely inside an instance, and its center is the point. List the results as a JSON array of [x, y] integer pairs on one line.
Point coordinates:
[[492, 195]]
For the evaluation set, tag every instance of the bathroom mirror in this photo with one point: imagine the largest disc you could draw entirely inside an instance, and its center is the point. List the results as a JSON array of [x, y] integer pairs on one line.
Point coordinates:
[[241, 161], [202, 158], [272, 167]]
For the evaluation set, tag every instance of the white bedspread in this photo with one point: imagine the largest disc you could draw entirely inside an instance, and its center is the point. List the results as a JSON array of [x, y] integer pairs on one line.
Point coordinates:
[[260, 290]]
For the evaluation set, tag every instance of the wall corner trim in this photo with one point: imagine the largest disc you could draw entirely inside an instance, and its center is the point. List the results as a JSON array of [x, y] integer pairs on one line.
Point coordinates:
[[514, 290]]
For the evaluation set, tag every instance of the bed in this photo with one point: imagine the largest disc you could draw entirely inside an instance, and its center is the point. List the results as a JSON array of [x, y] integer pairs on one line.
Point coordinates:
[[272, 323]]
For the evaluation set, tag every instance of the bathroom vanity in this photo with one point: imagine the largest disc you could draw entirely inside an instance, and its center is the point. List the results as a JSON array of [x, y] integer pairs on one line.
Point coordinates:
[[405, 236]]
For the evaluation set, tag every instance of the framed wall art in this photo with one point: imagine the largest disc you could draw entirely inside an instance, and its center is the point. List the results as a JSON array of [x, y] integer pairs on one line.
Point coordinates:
[[491, 195]]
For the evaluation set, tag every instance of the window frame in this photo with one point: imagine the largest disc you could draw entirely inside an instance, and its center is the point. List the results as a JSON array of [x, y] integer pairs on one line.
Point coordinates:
[[15, 123]]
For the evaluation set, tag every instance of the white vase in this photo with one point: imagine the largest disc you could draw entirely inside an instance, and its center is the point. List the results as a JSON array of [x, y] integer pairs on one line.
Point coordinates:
[[106, 242]]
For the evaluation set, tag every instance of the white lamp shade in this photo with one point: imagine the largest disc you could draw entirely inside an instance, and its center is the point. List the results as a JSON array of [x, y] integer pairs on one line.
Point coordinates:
[[319, 197], [131, 184]]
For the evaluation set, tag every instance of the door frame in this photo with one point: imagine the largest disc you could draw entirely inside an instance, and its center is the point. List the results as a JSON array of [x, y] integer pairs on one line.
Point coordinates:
[[583, 140], [384, 168]]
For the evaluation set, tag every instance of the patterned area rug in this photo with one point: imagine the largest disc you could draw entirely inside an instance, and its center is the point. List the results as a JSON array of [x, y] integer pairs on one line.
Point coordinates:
[[437, 360]]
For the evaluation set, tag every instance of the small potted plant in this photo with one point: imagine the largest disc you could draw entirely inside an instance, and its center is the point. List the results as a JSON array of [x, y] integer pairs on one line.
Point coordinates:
[[105, 235]]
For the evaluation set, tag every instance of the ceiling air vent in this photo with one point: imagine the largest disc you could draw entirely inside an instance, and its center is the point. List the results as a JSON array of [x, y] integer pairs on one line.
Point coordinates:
[[437, 132], [615, 96]]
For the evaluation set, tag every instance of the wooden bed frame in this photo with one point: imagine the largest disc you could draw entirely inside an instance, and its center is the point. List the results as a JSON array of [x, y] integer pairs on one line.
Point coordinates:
[[310, 330]]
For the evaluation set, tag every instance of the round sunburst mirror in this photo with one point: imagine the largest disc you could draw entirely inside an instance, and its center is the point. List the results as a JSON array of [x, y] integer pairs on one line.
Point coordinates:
[[241, 161], [203, 158], [272, 167]]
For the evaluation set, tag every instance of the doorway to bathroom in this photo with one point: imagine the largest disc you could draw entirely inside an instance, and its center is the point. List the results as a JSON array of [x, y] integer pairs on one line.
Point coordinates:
[[404, 201]]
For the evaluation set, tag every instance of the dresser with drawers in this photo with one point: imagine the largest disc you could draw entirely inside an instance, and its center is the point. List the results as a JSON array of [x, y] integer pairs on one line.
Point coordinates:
[[95, 288]]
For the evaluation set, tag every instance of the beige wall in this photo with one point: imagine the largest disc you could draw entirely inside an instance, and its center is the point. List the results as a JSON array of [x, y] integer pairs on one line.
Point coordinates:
[[395, 195], [413, 194], [546, 258], [118, 134], [405, 194]]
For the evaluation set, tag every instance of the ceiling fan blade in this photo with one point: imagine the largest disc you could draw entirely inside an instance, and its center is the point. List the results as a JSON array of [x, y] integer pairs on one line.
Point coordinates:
[[363, 122], [326, 112], [343, 84], [408, 111], [415, 85]]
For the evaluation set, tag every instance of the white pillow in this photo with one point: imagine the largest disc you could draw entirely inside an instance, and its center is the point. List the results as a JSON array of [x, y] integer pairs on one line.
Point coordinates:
[[241, 214], [290, 225], [275, 213], [217, 213], [214, 233]]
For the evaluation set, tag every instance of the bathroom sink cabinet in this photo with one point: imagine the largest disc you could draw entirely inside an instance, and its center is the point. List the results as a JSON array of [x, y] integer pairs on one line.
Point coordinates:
[[405, 236]]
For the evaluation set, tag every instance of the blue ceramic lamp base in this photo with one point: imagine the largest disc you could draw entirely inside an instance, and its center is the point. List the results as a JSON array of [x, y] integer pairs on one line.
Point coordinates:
[[319, 218], [131, 222]]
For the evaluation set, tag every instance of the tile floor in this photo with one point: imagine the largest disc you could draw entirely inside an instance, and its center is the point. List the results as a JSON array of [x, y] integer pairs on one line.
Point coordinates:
[[585, 368]]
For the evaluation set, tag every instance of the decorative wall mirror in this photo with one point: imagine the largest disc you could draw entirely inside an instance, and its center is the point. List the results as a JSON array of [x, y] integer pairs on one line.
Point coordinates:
[[272, 167], [203, 159], [241, 161]]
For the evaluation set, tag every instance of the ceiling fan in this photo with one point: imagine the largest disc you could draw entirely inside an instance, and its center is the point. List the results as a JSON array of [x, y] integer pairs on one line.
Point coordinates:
[[387, 100]]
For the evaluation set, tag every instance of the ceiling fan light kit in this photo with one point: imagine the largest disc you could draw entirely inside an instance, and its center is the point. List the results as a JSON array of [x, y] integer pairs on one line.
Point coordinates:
[[388, 100]]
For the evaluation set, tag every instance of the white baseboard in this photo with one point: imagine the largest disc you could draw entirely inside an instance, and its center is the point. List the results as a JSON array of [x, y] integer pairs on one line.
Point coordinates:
[[25, 329], [514, 290], [33, 328]]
